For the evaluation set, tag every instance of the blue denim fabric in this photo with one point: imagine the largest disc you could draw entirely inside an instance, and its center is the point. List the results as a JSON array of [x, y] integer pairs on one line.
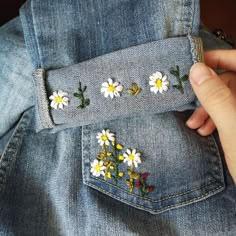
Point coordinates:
[[46, 187]]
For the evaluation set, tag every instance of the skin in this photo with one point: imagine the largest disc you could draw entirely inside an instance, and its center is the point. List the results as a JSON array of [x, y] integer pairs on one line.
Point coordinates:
[[217, 95]]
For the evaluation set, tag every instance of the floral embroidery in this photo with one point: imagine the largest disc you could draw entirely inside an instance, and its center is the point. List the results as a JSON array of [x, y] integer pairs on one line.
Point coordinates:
[[135, 90], [132, 157], [59, 99], [105, 137], [112, 89], [180, 85], [97, 168], [110, 164], [80, 95], [158, 83]]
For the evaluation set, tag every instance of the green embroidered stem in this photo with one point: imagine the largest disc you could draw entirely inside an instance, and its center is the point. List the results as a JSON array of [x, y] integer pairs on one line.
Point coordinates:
[[181, 80], [80, 95]]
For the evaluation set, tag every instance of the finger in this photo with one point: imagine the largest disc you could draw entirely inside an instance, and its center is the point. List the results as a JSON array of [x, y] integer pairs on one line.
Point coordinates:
[[221, 59], [198, 118], [214, 96], [207, 128]]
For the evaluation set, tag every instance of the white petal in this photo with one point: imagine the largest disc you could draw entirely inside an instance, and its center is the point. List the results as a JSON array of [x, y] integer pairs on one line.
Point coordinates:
[[116, 84], [133, 151], [119, 88], [107, 143], [165, 88], [152, 82], [51, 97], [106, 94], [65, 99], [161, 90], [135, 164], [65, 103], [164, 78], [61, 93], [105, 84], [111, 95], [55, 94], [116, 94], [103, 90], [101, 163], [61, 106], [110, 81], [128, 151]]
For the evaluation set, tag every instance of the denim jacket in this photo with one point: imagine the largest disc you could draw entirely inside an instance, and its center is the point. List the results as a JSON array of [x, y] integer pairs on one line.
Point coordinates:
[[115, 157]]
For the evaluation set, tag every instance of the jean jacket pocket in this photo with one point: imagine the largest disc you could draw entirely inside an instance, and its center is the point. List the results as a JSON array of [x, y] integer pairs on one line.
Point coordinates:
[[154, 163]]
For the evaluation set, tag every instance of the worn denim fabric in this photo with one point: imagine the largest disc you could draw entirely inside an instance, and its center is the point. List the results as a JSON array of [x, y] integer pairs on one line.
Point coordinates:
[[45, 180]]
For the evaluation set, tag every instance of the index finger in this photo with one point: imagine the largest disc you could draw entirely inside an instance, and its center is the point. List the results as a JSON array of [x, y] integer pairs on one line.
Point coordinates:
[[221, 59]]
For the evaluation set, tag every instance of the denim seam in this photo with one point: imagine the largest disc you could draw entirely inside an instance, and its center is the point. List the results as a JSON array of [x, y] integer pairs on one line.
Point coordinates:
[[196, 48], [42, 101], [36, 38], [161, 199], [153, 210], [9, 155], [151, 200]]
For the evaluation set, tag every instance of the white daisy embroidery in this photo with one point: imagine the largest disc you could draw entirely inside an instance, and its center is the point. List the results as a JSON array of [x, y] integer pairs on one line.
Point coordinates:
[[132, 157], [105, 137], [59, 99], [158, 83], [112, 89], [97, 168]]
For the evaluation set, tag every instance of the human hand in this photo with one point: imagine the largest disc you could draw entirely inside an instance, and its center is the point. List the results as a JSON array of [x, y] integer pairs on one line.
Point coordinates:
[[217, 95]]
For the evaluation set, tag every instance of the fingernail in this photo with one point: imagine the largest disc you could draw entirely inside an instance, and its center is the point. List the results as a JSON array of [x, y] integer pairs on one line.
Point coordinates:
[[200, 73]]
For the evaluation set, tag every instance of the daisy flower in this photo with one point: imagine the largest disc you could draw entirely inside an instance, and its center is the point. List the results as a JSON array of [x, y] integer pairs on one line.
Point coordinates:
[[158, 83], [97, 168], [59, 99], [112, 89], [105, 137], [132, 157]]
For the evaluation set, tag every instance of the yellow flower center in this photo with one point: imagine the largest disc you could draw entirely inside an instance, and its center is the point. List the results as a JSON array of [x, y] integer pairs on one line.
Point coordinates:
[[59, 99], [158, 83], [131, 157], [104, 137], [111, 88], [98, 168]]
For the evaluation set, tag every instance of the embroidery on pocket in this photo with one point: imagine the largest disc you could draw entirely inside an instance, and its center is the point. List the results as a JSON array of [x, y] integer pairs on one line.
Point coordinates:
[[110, 159]]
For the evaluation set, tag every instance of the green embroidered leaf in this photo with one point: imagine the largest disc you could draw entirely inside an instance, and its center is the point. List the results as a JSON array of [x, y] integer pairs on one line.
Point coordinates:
[[85, 87], [175, 73], [184, 78], [87, 102]]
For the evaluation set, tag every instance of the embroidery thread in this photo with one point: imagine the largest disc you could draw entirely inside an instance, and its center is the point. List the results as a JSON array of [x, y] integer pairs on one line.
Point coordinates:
[[80, 95], [110, 161], [135, 90], [59, 99], [112, 89], [158, 83], [180, 85]]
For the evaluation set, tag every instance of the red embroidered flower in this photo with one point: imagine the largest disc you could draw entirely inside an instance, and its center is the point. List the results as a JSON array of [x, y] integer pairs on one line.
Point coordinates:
[[150, 189], [144, 175], [138, 183]]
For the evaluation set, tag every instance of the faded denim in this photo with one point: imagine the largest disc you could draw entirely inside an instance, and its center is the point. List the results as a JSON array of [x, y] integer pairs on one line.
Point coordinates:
[[46, 187]]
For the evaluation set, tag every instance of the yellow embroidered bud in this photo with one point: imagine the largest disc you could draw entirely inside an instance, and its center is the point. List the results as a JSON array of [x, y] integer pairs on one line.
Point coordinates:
[[121, 158], [113, 143], [111, 167], [121, 174], [108, 175], [119, 146], [109, 154]]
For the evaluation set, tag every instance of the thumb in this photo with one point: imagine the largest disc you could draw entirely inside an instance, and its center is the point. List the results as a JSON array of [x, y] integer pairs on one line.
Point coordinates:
[[216, 98]]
